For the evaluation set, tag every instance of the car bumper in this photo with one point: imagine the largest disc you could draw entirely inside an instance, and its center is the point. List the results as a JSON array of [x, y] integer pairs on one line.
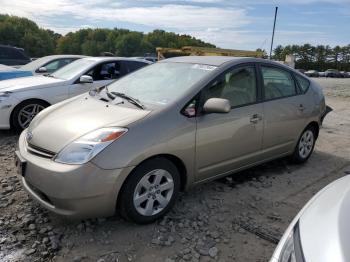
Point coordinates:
[[326, 112], [5, 114], [75, 191]]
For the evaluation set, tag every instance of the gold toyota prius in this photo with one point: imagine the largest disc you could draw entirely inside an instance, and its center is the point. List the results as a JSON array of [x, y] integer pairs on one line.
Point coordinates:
[[132, 145]]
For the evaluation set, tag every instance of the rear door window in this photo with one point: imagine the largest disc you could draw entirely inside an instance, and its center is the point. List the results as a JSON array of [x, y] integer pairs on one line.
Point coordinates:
[[278, 83]]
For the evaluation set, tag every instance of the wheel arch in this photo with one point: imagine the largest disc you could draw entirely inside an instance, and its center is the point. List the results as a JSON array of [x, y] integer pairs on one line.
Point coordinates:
[[315, 126], [172, 158]]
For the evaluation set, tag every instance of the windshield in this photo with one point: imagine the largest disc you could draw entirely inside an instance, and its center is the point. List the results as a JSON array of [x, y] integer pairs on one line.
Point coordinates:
[[160, 83], [36, 63], [73, 69]]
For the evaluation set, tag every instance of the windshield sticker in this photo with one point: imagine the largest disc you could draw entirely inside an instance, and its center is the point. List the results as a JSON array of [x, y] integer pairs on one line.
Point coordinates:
[[203, 67]]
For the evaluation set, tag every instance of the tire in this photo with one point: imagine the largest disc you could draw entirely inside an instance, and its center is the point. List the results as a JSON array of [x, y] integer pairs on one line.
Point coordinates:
[[305, 146], [23, 113], [142, 199]]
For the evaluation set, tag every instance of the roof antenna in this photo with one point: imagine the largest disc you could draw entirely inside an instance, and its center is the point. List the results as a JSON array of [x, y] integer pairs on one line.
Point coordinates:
[[273, 32]]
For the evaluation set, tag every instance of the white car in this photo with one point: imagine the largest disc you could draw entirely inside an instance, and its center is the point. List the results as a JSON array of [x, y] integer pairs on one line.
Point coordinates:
[[49, 64], [21, 99], [321, 231]]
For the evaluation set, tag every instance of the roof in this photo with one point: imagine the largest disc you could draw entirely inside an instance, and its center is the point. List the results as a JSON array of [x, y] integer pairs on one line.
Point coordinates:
[[111, 58], [45, 59], [62, 56], [10, 46], [207, 60], [211, 60], [220, 60]]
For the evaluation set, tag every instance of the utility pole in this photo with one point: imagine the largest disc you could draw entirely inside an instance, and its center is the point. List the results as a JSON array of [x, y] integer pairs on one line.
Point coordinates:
[[273, 32]]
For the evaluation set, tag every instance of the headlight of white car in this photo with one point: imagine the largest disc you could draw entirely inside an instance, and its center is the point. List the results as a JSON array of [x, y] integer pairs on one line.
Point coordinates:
[[86, 147], [4, 96], [291, 250]]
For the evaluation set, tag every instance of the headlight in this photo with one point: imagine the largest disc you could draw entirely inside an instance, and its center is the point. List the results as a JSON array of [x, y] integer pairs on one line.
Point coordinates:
[[291, 249], [4, 95], [86, 147]]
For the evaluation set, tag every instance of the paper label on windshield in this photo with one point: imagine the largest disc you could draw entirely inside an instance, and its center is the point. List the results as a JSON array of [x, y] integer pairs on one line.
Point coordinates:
[[203, 67]]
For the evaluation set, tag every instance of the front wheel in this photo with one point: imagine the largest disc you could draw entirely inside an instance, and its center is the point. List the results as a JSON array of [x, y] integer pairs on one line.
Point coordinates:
[[305, 146], [150, 191], [24, 113]]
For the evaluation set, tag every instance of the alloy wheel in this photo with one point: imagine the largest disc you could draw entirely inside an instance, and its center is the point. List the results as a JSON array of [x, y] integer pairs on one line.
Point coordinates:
[[306, 144], [153, 192], [27, 113]]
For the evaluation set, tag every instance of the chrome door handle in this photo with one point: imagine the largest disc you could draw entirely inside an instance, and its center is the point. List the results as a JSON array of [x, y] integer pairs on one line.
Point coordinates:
[[255, 118]]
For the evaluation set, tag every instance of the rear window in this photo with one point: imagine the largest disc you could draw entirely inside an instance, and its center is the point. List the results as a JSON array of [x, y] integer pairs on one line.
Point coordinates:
[[303, 83]]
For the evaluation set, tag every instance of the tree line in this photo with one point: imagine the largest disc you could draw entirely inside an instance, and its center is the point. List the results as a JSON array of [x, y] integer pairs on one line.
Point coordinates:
[[37, 42], [320, 57]]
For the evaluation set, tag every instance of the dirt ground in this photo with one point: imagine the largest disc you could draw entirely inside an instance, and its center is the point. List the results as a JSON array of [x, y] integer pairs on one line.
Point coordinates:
[[238, 218]]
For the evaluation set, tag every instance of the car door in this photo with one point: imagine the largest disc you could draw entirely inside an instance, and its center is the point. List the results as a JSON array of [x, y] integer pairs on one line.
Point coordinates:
[[226, 142], [284, 109], [102, 74]]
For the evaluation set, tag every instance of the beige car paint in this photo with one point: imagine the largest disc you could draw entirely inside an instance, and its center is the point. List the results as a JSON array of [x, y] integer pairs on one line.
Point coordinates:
[[203, 147]]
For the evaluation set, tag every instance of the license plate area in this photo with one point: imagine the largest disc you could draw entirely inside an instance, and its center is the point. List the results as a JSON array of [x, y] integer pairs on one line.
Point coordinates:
[[20, 164]]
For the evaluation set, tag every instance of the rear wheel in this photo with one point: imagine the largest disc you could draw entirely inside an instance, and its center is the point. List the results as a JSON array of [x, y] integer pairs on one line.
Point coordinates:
[[24, 113], [150, 191], [305, 145]]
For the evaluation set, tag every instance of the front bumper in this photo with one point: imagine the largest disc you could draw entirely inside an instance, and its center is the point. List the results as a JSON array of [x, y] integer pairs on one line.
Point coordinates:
[[5, 114], [327, 111], [76, 191]]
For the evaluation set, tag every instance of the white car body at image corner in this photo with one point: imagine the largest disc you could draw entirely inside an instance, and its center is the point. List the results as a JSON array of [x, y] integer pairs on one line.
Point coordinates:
[[323, 225], [49, 89]]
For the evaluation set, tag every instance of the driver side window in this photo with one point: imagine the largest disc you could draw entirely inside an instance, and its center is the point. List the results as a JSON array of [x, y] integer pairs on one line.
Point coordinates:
[[238, 86], [105, 71]]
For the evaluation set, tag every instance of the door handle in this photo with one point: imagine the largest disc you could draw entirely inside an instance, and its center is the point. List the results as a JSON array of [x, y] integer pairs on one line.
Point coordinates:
[[255, 118], [301, 107]]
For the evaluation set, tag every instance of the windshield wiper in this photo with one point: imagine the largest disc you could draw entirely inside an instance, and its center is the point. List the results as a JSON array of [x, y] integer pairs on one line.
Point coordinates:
[[132, 100], [109, 94]]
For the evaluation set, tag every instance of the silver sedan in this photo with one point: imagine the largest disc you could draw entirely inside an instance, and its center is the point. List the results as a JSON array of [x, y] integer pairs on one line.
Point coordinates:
[[321, 231]]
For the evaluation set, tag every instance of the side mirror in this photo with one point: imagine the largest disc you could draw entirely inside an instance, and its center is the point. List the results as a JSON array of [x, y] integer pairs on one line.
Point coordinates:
[[85, 79], [42, 69], [217, 105]]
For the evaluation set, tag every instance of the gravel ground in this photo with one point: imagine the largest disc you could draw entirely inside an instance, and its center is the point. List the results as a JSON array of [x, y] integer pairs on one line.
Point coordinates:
[[238, 218]]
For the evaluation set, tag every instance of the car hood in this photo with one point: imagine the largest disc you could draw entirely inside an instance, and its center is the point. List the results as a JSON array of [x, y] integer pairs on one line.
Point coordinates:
[[55, 127], [26, 83], [325, 225]]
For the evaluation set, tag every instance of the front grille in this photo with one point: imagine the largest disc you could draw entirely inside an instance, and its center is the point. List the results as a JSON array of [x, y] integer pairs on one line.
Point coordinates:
[[38, 151]]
